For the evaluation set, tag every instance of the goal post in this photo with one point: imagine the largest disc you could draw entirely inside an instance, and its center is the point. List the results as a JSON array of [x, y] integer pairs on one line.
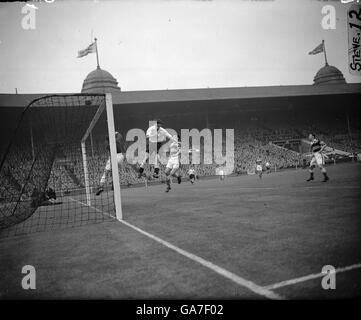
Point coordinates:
[[84, 153], [106, 105], [53, 179], [86, 174], [113, 156]]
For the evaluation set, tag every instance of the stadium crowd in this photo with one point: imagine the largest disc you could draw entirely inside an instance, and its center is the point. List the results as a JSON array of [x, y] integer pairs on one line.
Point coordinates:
[[252, 141]]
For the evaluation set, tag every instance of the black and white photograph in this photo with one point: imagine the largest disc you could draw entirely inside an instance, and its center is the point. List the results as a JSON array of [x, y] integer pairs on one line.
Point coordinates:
[[180, 155]]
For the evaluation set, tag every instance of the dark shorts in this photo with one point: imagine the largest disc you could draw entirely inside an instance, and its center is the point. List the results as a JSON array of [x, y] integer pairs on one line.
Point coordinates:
[[191, 176], [159, 145]]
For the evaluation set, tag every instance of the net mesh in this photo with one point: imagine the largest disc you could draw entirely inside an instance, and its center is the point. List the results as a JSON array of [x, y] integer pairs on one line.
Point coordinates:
[[42, 171]]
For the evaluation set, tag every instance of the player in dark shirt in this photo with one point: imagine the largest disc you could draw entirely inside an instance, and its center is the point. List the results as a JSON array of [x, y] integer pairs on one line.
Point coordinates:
[[317, 146], [119, 142], [43, 198], [268, 167]]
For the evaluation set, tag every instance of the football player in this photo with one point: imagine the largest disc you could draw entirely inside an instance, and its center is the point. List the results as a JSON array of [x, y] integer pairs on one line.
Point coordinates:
[[192, 175], [121, 150], [259, 168], [156, 136], [221, 174], [268, 167], [316, 148], [172, 167]]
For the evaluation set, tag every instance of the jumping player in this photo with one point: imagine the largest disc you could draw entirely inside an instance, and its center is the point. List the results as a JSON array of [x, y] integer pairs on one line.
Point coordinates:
[[156, 136], [172, 167], [317, 146], [259, 168], [121, 150]]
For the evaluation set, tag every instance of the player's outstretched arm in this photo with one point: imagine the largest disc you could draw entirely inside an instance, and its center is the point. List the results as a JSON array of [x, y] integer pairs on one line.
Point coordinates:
[[323, 146], [167, 135]]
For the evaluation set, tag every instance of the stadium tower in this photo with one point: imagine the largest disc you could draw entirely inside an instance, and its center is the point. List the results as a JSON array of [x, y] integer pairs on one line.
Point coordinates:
[[100, 81], [328, 75]]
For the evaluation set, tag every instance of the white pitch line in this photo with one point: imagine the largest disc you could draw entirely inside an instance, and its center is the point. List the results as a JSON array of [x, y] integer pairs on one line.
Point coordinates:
[[318, 187], [221, 271], [309, 277], [302, 187], [225, 273]]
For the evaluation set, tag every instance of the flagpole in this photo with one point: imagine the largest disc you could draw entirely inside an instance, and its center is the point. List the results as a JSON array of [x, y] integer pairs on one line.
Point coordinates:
[[96, 51], [324, 52]]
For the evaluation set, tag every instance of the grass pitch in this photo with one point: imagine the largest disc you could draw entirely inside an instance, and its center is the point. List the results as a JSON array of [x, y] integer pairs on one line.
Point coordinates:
[[265, 232]]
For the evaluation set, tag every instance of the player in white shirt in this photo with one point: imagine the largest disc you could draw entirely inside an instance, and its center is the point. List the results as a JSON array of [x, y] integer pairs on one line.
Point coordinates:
[[192, 175], [156, 136], [121, 150], [259, 168], [172, 167], [221, 174]]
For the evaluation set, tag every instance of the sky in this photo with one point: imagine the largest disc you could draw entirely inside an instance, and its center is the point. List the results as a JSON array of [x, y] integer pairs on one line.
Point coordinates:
[[169, 44]]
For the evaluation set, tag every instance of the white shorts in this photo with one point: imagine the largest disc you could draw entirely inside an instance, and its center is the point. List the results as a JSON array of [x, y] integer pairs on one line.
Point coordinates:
[[173, 163], [120, 159], [259, 168], [317, 159]]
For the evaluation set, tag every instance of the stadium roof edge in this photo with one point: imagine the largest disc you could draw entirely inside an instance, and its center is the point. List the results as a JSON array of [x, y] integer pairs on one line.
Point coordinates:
[[174, 95]]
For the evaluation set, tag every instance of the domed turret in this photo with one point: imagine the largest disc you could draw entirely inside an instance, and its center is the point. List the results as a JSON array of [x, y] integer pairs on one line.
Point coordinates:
[[100, 81], [328, 75]]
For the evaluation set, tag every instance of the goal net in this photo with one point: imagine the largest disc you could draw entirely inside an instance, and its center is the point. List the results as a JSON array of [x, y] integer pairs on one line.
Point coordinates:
[[54, 165]]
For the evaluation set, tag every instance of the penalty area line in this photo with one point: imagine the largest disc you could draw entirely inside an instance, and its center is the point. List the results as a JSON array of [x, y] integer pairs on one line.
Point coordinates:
[[213, 267], [309, 277]]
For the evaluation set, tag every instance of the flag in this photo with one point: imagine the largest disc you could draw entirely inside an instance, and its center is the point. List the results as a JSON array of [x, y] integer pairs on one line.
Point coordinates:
[[318, 49], [89, 49]]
